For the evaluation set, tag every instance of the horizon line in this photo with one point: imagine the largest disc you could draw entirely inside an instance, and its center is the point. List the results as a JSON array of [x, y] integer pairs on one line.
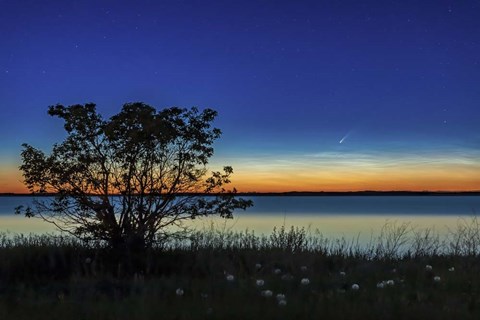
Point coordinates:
[[293, 192]]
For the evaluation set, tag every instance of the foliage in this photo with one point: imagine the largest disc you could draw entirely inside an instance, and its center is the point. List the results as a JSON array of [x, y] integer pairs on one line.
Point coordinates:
[[132, 179], [69, 278]]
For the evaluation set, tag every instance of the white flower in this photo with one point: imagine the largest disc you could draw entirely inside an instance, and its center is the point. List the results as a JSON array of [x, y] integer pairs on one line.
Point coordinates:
[[258, 266], [267, 293], [287, 277], [305, 281], [381, 285], [282, 302], [259, 283], [304, 268], [394, 270], [355, 286], [88, 260], [390, 282], [277, 271], [342, 273], [230, 278], [179, 292], [204, 295], [451, 269], [428, 267], [280, 296], [437, 279]]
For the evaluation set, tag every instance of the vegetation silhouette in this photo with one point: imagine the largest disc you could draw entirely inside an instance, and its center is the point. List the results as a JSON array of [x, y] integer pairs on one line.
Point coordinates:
[[130, 181]]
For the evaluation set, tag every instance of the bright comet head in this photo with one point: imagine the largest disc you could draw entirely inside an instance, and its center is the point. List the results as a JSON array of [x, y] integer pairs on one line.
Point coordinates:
[[344, 138]]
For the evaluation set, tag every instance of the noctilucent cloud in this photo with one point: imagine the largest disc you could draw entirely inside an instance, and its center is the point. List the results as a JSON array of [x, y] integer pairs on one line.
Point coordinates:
[[311, 95]]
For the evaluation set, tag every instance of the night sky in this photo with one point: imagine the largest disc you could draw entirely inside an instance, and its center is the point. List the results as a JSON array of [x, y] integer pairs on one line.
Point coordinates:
[[320, 95]]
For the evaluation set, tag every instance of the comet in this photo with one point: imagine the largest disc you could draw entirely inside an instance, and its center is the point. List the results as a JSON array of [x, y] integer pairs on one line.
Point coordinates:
[[344, 138]]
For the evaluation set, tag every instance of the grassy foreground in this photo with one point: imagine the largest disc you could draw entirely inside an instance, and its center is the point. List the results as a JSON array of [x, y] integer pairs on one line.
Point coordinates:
[[290, 274]]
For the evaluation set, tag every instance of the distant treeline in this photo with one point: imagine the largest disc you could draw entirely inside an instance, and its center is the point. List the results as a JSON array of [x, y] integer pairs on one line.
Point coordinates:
[[297, 193]]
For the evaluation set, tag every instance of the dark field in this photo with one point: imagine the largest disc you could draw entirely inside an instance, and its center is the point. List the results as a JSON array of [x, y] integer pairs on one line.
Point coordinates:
[[291, 274]]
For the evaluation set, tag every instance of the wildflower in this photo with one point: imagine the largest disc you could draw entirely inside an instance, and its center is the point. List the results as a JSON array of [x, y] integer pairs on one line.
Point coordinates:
[[287, 277], [305, 281], [304, 268], [258, 266], [179, 292], [342, 273], [259, 283], [267, 293], [204, 295], [381, 285], [437, 279], [280, 296], [451, 269], [88, 260], [230, 278], [282, 303], [355, 287], [390, 282], [394, 270], [277, 271], [428, 267]]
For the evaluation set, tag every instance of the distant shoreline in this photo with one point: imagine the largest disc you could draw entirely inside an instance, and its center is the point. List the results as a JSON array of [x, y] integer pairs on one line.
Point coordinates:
[[303, 193]]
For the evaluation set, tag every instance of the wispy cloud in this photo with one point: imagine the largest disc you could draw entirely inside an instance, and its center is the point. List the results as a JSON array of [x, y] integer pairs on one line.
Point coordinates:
[[344, 170]]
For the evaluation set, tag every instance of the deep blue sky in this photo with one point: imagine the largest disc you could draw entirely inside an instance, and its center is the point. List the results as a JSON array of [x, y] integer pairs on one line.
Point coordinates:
[[290, 79]]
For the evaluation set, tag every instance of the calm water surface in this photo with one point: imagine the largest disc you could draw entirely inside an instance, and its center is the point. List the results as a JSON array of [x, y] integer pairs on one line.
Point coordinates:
[[333, 216]]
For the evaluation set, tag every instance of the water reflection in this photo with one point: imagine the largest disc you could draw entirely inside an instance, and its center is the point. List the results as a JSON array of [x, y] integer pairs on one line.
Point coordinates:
[[348, 226], [362, 227], [334, 217], [19, 224]]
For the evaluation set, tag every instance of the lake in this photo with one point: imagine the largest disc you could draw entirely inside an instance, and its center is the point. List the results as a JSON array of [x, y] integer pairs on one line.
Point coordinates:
[[333, 216]]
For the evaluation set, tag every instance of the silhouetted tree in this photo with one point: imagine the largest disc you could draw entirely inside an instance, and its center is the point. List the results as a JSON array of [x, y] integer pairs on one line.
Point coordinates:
[[131, 179]]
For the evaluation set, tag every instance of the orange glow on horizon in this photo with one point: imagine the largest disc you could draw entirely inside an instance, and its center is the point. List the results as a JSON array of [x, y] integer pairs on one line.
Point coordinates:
[[254, 180], [422, 177], [366, 186], [11, 181]]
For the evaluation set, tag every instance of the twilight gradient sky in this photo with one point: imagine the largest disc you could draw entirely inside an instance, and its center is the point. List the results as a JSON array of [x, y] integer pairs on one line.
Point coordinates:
[[397, 82]]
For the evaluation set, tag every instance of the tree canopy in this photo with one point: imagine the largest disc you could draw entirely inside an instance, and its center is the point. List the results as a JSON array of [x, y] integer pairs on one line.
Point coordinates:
[[130, 179]]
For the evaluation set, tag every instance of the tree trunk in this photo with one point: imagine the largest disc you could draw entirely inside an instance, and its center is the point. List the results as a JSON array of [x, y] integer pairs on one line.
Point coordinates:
[[127, 255]]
